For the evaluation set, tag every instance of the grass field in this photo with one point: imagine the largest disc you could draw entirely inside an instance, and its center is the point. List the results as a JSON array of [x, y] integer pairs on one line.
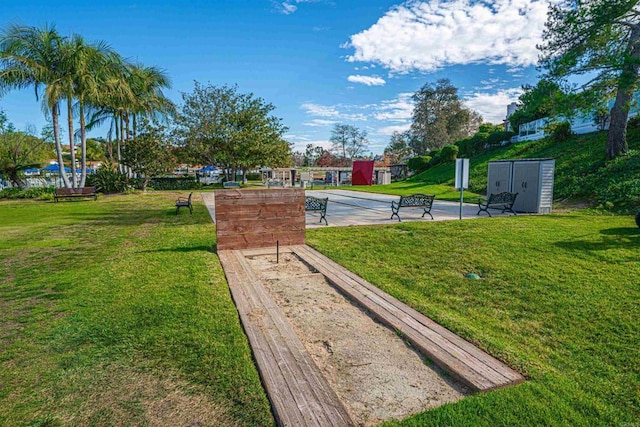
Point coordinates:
[[116, 312], [558, 300]]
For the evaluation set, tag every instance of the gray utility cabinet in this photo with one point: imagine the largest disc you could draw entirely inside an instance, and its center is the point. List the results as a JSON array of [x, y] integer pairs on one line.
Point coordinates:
[[532, 179]]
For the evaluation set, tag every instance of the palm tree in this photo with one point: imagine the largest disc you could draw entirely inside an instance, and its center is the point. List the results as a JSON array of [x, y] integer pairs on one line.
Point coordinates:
[[30, 56], [147, 83], [85, 67], [132, 91]]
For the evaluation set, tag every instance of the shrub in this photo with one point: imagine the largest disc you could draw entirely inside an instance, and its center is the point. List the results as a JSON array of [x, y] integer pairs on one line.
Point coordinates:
[[496, 139], [170, 183], [108, 180], [42, 193], [435, 157], [419, 164], [254, 177], [559, 131], [448, 153], [634, 122]]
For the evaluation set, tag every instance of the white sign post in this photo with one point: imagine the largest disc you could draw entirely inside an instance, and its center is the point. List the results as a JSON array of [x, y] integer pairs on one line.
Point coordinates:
[[462, 178]]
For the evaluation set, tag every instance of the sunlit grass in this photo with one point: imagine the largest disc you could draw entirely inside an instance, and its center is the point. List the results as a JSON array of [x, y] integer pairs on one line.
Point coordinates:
[[117, 311], [557, 300], [95, 294]]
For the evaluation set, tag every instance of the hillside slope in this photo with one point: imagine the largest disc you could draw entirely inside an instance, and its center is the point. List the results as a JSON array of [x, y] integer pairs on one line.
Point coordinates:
[[583, 175]]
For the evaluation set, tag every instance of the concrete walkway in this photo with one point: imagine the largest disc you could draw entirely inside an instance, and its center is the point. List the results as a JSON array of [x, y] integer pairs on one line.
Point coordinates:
[[347, 207]]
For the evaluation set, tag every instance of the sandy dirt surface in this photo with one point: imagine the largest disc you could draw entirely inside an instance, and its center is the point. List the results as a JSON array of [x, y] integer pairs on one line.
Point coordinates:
[[375, 373]]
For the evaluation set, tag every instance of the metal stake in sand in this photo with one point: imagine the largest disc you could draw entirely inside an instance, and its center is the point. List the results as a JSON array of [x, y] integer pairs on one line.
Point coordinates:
[[277, 251]]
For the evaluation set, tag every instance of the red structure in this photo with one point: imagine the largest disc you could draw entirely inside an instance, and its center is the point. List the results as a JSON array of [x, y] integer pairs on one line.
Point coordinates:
[[362, 172]]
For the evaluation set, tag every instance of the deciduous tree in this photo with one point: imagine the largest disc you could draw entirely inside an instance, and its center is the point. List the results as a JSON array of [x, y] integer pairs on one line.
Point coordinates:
[[398, 147], [220, 126], [542, 100], [439, 117], [149, 154], [20, 151], [348, 141]]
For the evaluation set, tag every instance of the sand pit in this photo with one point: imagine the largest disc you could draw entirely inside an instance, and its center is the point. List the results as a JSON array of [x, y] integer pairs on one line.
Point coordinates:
[[375, 373]]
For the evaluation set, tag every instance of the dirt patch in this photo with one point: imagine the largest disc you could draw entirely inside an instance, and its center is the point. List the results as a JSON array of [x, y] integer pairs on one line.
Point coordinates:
[[375, 373]]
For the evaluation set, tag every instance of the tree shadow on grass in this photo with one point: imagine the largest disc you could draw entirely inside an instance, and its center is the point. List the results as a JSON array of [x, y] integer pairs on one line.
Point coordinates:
[[131, 217], [622, 238], [621, 231], [186, 249]]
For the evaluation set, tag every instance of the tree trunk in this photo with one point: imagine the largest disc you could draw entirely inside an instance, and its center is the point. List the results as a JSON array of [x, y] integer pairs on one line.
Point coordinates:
[[110, 149], [83, 147], [627, 82], [72, 148], [135, 127], [56, 136], [617, 136], [119, 139], [15, 179], [125, 140]]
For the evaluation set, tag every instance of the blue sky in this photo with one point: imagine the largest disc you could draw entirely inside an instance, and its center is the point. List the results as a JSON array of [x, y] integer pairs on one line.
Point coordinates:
[[320, 62]]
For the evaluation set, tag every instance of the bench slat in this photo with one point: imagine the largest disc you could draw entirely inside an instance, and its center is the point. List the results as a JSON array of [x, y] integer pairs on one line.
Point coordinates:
[[417, 200], [504, 201], [69, 193]]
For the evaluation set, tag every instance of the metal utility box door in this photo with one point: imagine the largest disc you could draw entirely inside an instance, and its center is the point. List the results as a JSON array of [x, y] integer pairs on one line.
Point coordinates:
[[525, 182], [499, 177], [532, 179]]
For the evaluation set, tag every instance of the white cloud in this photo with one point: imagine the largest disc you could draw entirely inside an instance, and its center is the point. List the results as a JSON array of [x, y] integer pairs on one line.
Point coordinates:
[[367, 80], [290, 6], [320, 110], [399, 109], [428, 35], [492, 106], [389, 130], [320, 122], [338, 112]]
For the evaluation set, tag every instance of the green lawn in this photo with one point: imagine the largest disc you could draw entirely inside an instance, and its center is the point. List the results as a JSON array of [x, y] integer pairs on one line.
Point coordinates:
[[558, 300], [116, 312]]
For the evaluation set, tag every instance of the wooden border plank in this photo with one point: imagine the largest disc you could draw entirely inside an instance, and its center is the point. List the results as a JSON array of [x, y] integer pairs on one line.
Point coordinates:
[[298, 392], [457, 356]]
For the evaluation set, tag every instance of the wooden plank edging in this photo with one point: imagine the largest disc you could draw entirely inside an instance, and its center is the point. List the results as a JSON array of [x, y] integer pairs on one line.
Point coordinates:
[[299, 394], [460, 358]]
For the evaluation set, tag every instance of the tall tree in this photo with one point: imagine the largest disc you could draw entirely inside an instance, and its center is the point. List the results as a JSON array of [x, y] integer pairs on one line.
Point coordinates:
[[30, 56], [221, 126], [149, 154], [439, 117], [349, 141], [86, 65], [398, 147], [312, 154], [600, 37], [536, 102], [20, 151]]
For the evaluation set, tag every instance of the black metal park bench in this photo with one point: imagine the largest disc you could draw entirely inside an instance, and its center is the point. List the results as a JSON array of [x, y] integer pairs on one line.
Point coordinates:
[[424, 201], [312, 204], [184, 202], [504, 201]]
